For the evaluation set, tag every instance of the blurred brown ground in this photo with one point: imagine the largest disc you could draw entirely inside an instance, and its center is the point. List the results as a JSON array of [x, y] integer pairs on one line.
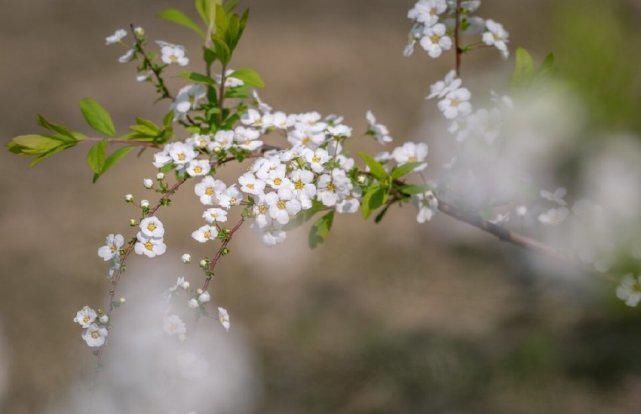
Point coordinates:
[[383, 318]]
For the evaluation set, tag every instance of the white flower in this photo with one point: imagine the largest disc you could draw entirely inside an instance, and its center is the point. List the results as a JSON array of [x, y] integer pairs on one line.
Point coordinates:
[[445, 86], [282, 205], [185, 258], [435, 40], [187, 99], [148, 183], [150, 247], [152, 227], [252, 118], [456, 103], [111, 249], [554, 216], [116, 37], [273, 236], [143, 76], [427, 205], [276, 120], [95, 335], [85, 317], [223, 316], [144, 203], [230, 197], [332, 187], [172, 54], [557, 196], [173, 325], [427, 11], [199, 141], [496, 36], [260, 211], [250, 184], [205, 234], [411, 152], [209, 189], [223, 140], [215, 215], [629, 290], [192, 303], [316, 159], [127, 57], [379, 131], [247, 138], [276, 177], [350, 204], [182, 153], [204, 297], [230, 81], [302, 186], [198, 168]]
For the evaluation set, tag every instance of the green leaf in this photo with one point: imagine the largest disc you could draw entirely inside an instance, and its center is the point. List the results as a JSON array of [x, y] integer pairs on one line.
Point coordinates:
[[96, 156], [373, 198], [249, 76], [178, 17], [523, 69], [222, 50], [34, 144], [375, 167], [112, 160], [207, 10], [97, 117], [230, 5], [198, 77], [412, 189], [403, 170], [320, 230], [63, 132]]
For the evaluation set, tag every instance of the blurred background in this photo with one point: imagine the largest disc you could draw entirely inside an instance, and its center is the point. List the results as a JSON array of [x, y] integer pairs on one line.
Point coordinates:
[[388, 318]]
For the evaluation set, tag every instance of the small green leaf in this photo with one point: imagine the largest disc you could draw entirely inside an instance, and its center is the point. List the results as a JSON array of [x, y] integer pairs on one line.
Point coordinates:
[[412, 189], [320, 230], [35, 144], [523, 69], [97, 117], [112, 160], [222, 50], [375, 167], [207, 10], [96, 156], [403, 170], [249, 76], [178, 17], [198, 77], [63, 133]]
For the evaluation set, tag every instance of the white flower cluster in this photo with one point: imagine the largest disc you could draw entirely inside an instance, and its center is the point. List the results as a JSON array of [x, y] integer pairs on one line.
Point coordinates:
[[434, 24], [173, 324], [95, 326], [149, 240], [110, 252]]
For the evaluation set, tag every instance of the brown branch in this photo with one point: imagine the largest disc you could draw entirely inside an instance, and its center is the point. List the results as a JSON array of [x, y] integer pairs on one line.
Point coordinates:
[[457, 37], [500, 232], [221, 252]]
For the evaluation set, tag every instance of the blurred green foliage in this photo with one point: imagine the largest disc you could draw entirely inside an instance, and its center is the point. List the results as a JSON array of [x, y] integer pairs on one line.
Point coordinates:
[[597, 44]]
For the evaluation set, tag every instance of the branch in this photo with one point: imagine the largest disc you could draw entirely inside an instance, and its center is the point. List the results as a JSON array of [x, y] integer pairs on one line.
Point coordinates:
[[457, 37], [500, 232], [220, 253], [154, 69]]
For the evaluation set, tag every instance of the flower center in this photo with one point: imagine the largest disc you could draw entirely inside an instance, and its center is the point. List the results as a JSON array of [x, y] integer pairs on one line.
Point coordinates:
[[299, 185], [278, 181], [149, 245], [455, 102], [281, 204], [316, 159], [198, 169], [95, 335], [151, 226], [182, 156], [435, 38], [209, 191]]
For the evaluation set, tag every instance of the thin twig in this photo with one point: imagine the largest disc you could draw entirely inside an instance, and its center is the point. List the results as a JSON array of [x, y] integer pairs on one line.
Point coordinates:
[[154, 69], [457, 37], [221, 252]]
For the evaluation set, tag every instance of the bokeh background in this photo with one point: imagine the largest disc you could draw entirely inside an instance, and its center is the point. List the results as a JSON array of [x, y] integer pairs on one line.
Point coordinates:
[[388, 318]]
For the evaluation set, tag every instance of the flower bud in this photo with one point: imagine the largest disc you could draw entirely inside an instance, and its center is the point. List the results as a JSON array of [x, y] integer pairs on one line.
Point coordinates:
[[123, 300], [148, 182], [129, 198], [204, 263], [104, 319], [160, 176], [193, 303], [139, 31], [204, 297], [133, 222], [185, 258], [144, 203]]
